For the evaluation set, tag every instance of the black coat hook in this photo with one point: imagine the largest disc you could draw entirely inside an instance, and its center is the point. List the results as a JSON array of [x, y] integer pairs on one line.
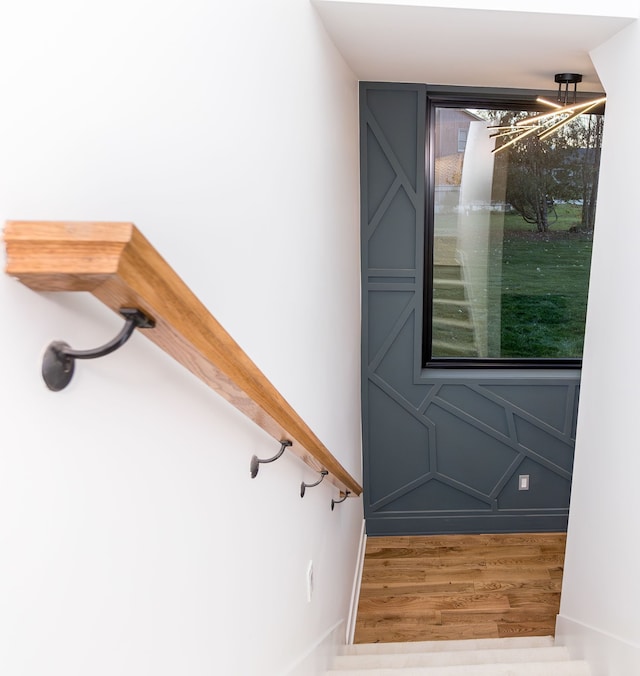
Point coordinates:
[[256, 462], [59, 359], [304, 486], [337, 502]]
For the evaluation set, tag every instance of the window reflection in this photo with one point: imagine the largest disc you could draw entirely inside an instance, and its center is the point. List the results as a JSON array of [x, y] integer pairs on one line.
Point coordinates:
[[512, 236]]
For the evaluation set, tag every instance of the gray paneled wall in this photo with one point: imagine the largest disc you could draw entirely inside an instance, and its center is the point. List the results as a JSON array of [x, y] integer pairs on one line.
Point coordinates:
[[443, 449]]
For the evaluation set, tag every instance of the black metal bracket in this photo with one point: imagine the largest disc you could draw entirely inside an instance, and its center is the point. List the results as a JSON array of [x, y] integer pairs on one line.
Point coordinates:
[[566, 79], [337, 502], [59, 359], [256, 462], [304, 486]]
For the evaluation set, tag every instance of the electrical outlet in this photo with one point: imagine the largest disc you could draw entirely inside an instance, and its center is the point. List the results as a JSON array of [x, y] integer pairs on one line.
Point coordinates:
[[523, 482], [309, 581]]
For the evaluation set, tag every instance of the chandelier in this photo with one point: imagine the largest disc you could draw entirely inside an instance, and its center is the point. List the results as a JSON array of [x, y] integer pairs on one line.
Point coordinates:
[[546, 124]]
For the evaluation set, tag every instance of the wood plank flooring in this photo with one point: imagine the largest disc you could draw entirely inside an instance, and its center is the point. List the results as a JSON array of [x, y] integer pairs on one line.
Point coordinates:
[[441, 587]]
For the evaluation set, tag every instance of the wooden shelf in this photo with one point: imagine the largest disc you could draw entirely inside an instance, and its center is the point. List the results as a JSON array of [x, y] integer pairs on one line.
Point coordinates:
[[115, 263]]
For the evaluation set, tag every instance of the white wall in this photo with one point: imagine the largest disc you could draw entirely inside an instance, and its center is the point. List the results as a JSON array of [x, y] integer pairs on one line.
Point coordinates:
[[132, 539], [601, 591]]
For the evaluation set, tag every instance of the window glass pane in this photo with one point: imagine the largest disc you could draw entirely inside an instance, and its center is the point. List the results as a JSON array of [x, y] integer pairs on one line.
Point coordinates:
[[512, 237]]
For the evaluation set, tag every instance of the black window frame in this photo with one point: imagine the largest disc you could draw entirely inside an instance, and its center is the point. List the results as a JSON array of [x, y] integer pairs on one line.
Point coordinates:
[[471, 97]]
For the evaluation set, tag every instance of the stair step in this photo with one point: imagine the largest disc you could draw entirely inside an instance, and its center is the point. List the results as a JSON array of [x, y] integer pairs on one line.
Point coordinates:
[[452, 323], [447, 270], [452, 658], [442, 348], [514, 656], [449, 311], [564, 668], [453, 339], [449, 290], [448, 646], [461, 304]]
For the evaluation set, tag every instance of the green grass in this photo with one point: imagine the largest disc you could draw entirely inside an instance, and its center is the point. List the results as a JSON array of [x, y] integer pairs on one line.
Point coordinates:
[[545, 278], [569, 215]]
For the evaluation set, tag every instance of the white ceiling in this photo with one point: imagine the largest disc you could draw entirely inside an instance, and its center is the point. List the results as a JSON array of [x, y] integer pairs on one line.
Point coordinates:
[[436, 45]]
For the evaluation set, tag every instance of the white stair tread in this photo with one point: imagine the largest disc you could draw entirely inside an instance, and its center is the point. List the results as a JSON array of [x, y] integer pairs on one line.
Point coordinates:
[[564, 668], [441, 282], [452, 658], [448, 646]]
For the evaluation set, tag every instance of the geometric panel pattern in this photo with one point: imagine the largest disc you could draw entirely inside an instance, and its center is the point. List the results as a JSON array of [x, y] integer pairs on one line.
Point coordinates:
[[442, 450]]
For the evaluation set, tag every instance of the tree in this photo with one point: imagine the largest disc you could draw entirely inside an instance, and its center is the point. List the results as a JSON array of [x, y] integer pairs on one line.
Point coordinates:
[[529, 169], [563, 167], [591, 172], [577, 149], [530, 182]]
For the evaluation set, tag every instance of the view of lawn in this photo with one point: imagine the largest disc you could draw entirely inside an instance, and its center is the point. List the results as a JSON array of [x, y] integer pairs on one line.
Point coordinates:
[[545, 278]]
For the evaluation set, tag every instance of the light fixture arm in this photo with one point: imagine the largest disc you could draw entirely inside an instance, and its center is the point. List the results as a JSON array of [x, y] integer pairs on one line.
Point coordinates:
[[546, 124]]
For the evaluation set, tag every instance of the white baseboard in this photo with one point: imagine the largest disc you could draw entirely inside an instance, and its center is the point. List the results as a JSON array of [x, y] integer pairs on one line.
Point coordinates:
[[355, 592], [607, 655], [319, 658]]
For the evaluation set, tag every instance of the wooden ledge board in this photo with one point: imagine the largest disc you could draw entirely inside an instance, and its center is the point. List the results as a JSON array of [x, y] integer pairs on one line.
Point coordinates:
[[115, 263]]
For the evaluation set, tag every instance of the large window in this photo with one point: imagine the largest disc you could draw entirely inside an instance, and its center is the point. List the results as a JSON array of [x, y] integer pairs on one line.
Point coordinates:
[[509, 236]]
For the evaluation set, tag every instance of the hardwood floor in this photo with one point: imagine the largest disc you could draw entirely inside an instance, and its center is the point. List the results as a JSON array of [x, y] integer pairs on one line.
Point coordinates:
[[441, 587]]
